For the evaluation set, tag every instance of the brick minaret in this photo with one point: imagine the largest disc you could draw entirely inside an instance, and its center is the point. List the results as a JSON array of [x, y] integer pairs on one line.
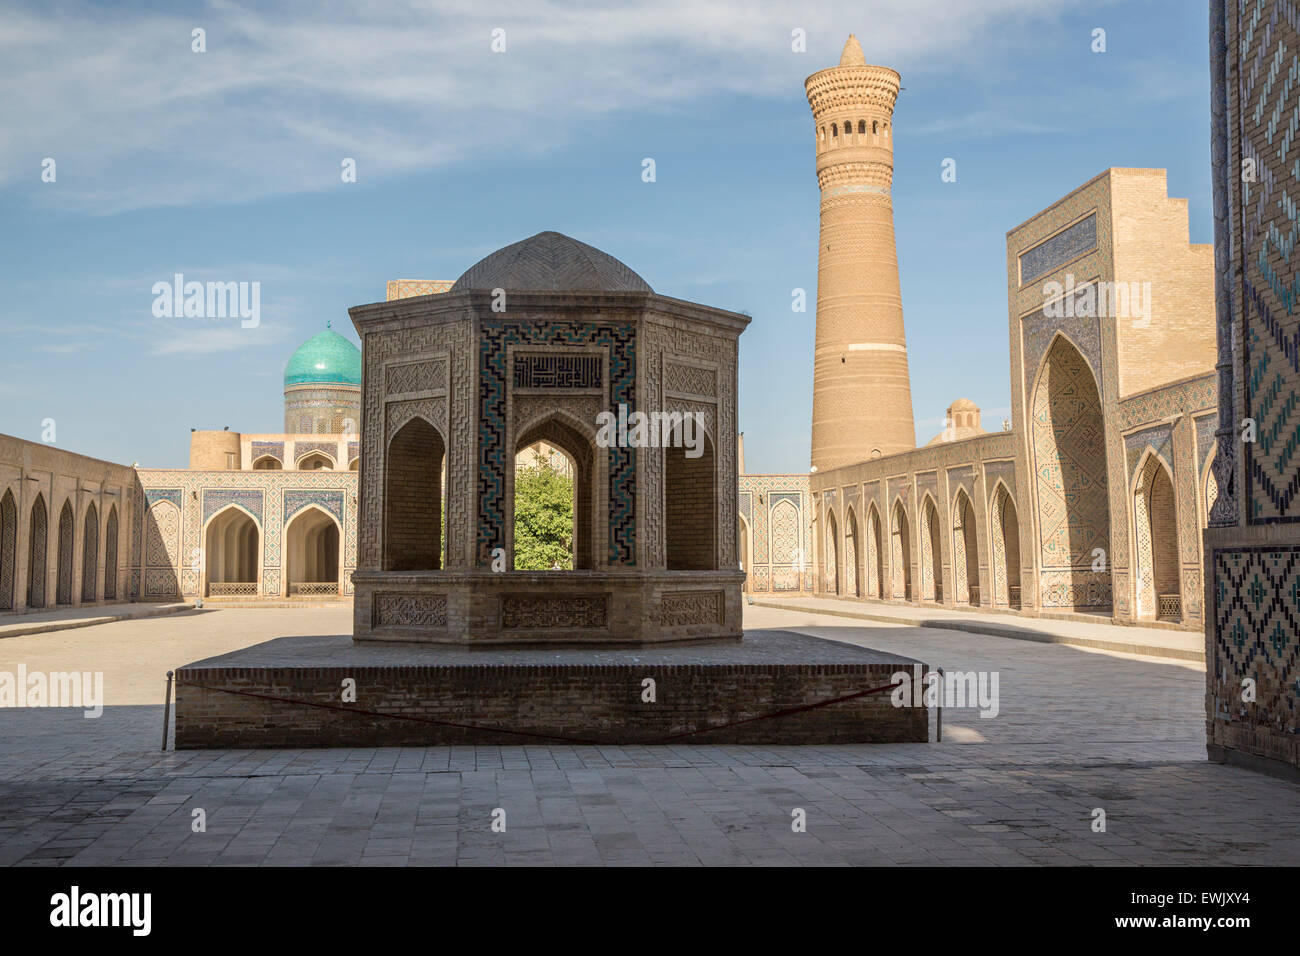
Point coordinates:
[[862, 398]]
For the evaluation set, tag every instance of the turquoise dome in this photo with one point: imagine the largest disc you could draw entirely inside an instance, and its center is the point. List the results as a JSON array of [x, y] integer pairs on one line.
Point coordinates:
[[324, 359]]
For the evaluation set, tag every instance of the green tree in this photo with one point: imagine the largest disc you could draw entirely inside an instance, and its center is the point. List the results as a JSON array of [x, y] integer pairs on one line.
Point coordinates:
[[543, 518]]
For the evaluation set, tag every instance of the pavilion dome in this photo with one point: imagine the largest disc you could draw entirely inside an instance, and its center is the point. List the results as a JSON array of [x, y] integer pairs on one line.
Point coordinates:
[[963, 422], [551, 262], [326, 358]]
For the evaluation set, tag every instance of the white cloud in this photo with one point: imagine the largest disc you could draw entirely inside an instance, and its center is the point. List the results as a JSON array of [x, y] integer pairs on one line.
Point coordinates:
[[982, 123], [135, 119], [179, 340]]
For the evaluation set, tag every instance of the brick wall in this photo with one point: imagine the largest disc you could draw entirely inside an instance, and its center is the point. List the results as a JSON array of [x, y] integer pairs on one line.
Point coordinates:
[[211, 450], [1150, 237], [413, 528], [690, 513], [36, 475], [586, 702]]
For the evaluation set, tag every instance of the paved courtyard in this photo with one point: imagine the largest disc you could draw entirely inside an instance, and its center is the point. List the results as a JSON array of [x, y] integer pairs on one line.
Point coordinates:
[[1077, 730]]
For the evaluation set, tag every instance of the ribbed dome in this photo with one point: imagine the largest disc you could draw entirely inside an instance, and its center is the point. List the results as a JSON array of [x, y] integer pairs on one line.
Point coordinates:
[[324, 359], [551, 262]]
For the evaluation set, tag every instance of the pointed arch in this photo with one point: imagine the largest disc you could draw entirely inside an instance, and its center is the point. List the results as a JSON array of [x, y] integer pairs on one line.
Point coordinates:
[[831, 541], [744, 545], [1066, 341], [900, 552], [67, 531], [110, 554], [965, 551], [315, 461], [1069, 492], [875, 557], [1155, 534], [576, 442], [1004, 528], [232, 552], [311, 552], [690, 504], [37, 552], [268, 463], [852, 552], [1209, 486], [413, 482], [90, 555], [931, 551], [8, 549]]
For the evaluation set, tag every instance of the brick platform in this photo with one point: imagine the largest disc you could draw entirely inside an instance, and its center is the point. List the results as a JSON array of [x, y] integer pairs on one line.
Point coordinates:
[[580, 695]]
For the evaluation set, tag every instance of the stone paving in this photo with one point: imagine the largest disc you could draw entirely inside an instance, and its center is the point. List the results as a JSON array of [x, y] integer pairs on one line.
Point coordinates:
[[19, 623], [1077, 730], [1100, 634]]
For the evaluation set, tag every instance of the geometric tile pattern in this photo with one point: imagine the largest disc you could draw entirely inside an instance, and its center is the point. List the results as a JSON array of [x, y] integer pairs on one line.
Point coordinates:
[[900, 554], [154, 495], [873, 552], [931, 560], [1269, 94], [162, 536], [8, 549], [110, 555], [408, 288], [1205, 429], [1168, 401], [307, 447], [851, 554], [1160, 439], [782, 531], [171, 535], [1000, 596], [831, 565], [1144, 558], [1068, 244], [964, 537], [1004, 471], [1040, 335], [331, 501], [39, 547], [261, 449], [620, 340], [1257, 635], [214, 499]]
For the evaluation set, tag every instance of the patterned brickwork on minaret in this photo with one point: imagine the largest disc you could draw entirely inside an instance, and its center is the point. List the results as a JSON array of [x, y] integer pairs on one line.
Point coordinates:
[[862, 397]]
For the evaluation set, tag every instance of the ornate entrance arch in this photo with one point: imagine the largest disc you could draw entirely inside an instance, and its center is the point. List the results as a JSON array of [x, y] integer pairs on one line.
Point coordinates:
[[1069, 466]]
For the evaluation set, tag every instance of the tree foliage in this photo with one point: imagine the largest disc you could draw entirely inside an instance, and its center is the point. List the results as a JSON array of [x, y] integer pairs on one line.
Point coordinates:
[[543, 518]]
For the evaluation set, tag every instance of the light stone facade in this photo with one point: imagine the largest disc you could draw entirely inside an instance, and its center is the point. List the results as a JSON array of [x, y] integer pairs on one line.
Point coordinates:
[[64, 527]]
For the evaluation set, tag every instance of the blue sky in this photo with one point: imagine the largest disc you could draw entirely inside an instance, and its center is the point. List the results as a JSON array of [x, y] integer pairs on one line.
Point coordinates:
[[224, 166]]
